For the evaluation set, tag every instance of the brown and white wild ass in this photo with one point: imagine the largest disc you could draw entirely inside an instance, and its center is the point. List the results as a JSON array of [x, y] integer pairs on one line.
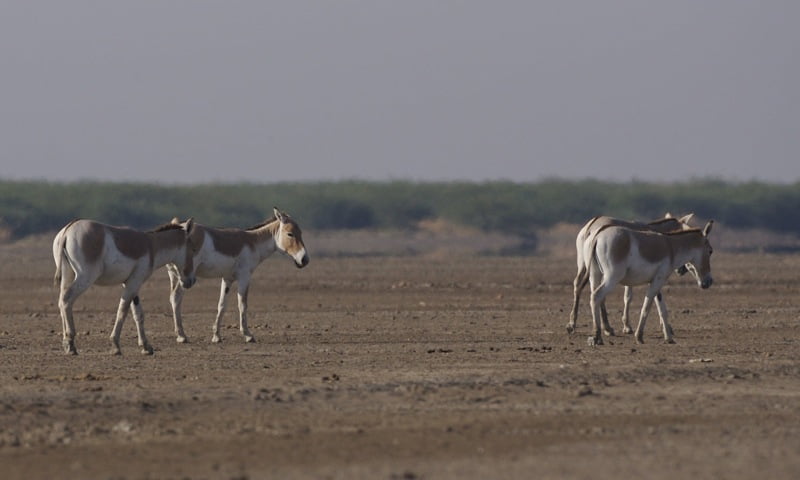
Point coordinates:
[[233, 255], [584, 238], [636, 257], [105, 255]]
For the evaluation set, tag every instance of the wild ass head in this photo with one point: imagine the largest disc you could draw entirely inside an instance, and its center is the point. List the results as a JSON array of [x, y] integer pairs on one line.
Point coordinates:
[[676, 224], [184, 260], [700, 264], [289, 239], [683, 222]]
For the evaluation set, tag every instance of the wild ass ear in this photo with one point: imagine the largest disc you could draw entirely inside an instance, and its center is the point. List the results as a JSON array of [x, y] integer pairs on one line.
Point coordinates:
[[188, 225], [668, 215], [279, 215], [685, 219], [707, 228], [175, 221]]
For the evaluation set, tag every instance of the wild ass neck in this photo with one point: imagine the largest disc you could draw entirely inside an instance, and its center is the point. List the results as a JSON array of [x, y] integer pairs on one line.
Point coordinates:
[[684, 245], [261, 238], [166, 246]]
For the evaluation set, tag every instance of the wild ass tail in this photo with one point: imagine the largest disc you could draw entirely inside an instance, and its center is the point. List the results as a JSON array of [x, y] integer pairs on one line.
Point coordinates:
[[594, 262], [60, 257], [60, 252]]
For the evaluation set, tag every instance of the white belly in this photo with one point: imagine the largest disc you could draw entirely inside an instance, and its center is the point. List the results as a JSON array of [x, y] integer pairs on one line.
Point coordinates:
[[115, 273], [216, 266], [640, 272]]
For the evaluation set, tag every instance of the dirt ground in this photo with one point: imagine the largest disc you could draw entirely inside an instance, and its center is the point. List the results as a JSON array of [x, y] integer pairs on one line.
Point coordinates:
[[420, 367]]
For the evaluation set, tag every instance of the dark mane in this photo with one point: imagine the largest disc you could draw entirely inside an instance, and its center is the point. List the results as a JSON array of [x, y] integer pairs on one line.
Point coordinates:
[[262, 224], [166, 226], [663, 220], [173, 226], [681, 232]]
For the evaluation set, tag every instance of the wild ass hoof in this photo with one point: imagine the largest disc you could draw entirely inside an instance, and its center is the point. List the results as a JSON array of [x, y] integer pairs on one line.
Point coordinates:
[[592, 341], [639, 339], [182, 339], [609, 332], [669, 340], [627, 330], [69, 348], [115, 351], [216, 339], [147, 350], [249, 339], [570, 328]]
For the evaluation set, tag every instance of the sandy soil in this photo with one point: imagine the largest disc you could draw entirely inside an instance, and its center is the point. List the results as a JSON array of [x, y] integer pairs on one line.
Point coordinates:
[[404, 368]]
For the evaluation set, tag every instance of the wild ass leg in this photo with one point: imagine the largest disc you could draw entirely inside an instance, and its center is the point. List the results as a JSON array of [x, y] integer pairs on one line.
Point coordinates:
[[175, 299], [224, 288], [138, 317], [122, 312], [66, 300], [668, 327], [653, 290], [648, 300], [663, 315], [600, 288], [626, 308], [62, 310], [594, 302], [581, 279], [606, 326], [244, 288]]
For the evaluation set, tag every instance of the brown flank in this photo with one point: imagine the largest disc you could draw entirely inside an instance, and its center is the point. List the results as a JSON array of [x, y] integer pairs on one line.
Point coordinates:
[[131, 243], [92, 241]]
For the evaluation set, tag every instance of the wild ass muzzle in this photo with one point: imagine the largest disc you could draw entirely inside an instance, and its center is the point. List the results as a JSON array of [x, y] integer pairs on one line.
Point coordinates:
[[233, 255], [620, 255], [668, 223], [106, 255]]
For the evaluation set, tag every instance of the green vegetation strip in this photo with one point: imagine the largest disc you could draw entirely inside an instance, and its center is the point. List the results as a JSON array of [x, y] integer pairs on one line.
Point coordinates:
[[29, 207]]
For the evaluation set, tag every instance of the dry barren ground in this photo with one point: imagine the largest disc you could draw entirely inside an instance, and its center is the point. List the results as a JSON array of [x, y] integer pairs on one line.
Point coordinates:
[[404, 368]]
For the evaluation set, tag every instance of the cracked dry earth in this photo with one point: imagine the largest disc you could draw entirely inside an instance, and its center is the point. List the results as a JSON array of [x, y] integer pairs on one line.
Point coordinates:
[[404, 368]]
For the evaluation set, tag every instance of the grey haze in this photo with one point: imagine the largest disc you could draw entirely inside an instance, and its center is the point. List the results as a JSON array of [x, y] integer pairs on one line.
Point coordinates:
[[262, 91]]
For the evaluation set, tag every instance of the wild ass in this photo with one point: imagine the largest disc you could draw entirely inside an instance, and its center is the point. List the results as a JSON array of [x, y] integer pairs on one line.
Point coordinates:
[[233, 255], [105, 255], [636, 257], [586, 235]]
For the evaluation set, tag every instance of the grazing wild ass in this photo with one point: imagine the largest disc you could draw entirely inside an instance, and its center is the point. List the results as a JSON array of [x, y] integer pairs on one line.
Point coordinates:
[[584, 238], [105, 255], [233, 255], [636, 257]]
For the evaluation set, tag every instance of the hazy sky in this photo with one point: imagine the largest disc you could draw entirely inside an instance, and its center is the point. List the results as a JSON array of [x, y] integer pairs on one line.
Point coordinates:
[[190, 91]]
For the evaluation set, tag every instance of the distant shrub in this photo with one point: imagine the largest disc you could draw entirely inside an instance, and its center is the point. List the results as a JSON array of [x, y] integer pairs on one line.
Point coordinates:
[[518, 208], [340, 213]]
